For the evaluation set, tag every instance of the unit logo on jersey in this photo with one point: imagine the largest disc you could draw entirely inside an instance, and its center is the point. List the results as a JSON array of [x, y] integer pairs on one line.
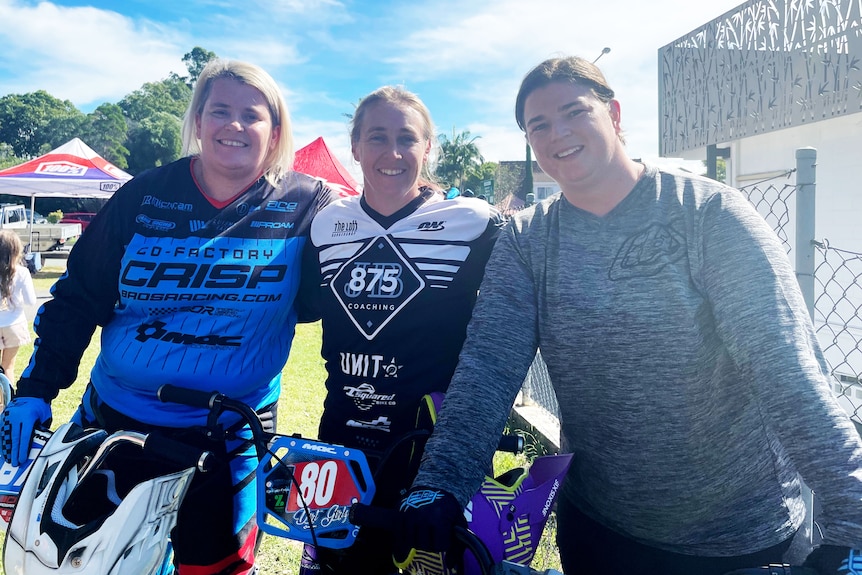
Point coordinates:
[[375, 285], [368, 365], [365, 396]]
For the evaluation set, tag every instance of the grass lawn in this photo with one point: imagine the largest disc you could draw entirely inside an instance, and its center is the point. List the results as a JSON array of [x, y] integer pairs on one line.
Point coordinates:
[[299, 411]]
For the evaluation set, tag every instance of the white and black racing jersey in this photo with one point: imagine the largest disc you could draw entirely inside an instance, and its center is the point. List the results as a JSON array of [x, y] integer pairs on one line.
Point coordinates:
[[395, 297]]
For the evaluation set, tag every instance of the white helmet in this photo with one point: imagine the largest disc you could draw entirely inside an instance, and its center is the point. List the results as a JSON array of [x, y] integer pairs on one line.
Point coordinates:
[[77, 514]]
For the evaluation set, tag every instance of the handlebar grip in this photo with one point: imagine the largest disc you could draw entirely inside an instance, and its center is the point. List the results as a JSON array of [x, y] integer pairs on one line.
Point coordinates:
[[386, 518], [192, 397], [512, 443], [182, 454]]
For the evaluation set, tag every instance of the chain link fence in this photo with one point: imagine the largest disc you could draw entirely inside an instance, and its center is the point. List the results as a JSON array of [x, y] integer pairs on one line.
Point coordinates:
[[831, 282], [835, 285], [838, 318]]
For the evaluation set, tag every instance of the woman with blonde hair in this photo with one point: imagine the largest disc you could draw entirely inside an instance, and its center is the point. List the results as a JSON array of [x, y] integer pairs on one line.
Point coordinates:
[[191, 269], [16, 292]]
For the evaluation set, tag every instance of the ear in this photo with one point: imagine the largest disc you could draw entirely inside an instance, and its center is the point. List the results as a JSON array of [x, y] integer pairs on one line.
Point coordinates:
[[354, 151], [276, 136], [427, 151], [198, 126], [616, 115]]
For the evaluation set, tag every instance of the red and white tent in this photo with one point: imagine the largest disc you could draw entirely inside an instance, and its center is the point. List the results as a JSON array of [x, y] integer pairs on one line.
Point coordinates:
[[73, 170], [317, 161]]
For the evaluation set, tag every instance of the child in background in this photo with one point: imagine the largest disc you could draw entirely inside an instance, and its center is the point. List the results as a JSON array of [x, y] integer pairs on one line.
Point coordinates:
[[16, 292]]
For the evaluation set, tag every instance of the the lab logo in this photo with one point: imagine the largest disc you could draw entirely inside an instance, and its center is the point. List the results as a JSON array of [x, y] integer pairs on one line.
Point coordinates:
[[341, 229]]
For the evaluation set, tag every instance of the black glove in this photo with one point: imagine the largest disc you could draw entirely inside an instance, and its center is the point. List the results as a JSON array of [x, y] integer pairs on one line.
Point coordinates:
[[428, 520], [835, 560]]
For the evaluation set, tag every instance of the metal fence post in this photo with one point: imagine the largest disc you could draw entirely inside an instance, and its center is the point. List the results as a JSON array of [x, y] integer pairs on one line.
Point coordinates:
[[806, 171], [806, 165]]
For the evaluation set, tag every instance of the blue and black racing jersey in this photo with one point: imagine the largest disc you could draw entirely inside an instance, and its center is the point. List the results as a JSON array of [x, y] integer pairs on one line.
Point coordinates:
[[186, 292]]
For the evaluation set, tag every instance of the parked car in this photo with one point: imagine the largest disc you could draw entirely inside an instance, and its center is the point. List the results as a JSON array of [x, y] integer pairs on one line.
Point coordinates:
[[83, 218], [35, 217]]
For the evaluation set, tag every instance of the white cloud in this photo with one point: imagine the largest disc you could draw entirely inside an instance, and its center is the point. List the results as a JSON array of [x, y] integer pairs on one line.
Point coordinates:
[[487, 49], [83, 54], [464, 57]]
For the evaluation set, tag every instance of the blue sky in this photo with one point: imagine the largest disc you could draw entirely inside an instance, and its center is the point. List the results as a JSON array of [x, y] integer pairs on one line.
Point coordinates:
[[465, 58]]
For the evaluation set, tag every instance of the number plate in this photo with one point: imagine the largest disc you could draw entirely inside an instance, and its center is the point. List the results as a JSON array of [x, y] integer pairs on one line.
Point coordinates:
[[306, 488]]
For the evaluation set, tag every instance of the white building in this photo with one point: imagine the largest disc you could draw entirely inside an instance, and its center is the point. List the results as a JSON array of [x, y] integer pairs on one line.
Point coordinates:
[[763, 80], [756, 84]]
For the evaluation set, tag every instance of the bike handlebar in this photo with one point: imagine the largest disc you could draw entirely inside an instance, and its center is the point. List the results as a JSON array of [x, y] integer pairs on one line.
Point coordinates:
[[178, 452], [512, 443], [216, 403], [389, 519], [192, 397]]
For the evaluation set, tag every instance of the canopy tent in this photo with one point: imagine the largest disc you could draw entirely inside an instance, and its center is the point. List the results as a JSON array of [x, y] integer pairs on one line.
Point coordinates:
[[317, 161], [73, 170]]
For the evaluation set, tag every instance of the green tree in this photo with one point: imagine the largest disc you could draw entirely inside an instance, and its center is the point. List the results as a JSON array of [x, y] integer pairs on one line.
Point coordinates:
[[486, 171], [720, 169], [459, 158], [170, 95], [106, 132], [154, 115], [154, 141], [8, 157], [195, 62], [35, 122]]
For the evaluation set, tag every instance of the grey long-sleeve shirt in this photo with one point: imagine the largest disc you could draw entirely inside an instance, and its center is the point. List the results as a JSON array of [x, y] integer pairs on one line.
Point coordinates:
[[690, 381]]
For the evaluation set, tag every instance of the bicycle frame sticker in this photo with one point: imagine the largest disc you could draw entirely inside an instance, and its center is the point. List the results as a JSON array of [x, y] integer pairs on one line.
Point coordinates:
[[305, 490]]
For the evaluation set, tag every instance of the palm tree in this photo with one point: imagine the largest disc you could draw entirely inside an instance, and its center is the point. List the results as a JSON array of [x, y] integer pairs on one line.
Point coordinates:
[[459, 156]]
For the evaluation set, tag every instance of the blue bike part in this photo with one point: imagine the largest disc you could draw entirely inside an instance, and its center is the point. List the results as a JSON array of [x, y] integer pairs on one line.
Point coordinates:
[[12, 477], [305, 490]]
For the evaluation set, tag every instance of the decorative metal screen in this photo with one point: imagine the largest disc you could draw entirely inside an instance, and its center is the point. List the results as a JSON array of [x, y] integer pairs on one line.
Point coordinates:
[[764, 66]]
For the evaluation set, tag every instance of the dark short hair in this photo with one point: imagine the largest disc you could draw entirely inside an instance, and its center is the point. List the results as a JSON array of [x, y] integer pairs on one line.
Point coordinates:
[[569, 69]]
